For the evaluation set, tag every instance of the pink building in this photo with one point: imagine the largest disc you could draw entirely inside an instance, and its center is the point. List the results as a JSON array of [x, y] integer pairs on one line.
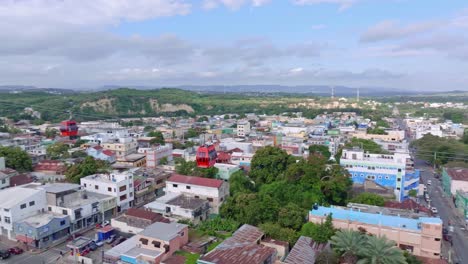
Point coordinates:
[[422, 236]]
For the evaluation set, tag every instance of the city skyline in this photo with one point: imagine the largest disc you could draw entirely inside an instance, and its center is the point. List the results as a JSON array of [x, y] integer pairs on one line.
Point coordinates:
[[419, 45]]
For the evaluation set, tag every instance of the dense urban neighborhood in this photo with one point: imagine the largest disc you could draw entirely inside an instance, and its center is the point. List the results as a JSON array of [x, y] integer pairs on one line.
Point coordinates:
[[235, 188]]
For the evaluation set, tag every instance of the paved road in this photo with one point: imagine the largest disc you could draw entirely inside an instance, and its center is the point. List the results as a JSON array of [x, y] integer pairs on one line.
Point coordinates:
[[446, 211]]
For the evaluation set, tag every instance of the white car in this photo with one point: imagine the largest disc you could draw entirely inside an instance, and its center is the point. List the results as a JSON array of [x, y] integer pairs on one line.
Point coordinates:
[[434, 210], [429, 182]]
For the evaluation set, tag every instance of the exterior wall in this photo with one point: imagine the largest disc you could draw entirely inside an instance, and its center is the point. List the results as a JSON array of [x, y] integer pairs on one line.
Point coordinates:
[[122, 149], [124, 227], [154, 156], [426, 243], [458, 186], [394, 135], [243, 129], [5, 183], [214, 196], [461, 202], [56, 229], [174, 244], [16, 214], [113, 186], [225, 170]]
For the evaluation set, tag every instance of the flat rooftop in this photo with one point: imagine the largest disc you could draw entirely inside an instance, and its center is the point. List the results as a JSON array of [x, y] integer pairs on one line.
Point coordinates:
[[379, 219]]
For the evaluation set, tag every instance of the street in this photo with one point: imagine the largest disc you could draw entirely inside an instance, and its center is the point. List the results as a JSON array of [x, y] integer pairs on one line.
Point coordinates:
[[446, 211]]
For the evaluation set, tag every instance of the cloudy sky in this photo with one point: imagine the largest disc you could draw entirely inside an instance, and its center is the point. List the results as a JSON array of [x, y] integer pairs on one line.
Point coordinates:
[[407, 44]]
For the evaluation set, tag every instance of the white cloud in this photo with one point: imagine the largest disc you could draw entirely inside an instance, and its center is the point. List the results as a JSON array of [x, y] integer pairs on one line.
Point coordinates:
[[232, 4], [343, 4], [389, 30]]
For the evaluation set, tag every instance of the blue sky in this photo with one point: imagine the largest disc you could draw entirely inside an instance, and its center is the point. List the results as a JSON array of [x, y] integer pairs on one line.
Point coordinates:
[[406, 44]]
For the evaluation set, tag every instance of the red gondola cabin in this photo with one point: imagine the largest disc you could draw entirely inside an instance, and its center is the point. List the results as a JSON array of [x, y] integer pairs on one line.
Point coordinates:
[[206, 156], [69, 129]]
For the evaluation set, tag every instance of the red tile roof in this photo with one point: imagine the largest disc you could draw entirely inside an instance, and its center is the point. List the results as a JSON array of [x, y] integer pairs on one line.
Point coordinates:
[[458, 174], [97, 147], [108, 152], [305, 251], [407, 205], [20, 180], [213, 183]]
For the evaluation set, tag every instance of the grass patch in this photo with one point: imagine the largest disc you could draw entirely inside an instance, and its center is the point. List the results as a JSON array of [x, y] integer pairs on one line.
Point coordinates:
[[190, 258], [213, 245]]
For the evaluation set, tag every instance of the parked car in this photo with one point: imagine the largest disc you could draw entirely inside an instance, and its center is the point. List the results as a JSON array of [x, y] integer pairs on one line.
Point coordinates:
[[92, 246], [111, 239], [118, 241], [429, 182], [4, 254], [98, 243], [434, 210], [15, 250], [105, 223]]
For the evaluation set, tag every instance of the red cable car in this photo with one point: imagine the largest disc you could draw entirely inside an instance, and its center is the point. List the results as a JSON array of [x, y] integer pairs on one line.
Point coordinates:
[[206, 156], [69, 129]]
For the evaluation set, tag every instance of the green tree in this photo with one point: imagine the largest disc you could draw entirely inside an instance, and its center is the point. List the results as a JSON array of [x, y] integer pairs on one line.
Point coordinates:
[[413, 193], [292, 216], [380, 250], [465, 137], [320, 149], [319, 232], [79, 142], [16, 158], [349, 244], [202, 119], [240, 183], [217, 224], [411, 259], [79, 154], [367, 144], [369, 198], [51, 132], [58, 150], [87, 167], [157, 137], [275, 231], [326, 257], [163, 161], [148, 128], [226, 117], [268, 164], [376, 131], [192, 133]]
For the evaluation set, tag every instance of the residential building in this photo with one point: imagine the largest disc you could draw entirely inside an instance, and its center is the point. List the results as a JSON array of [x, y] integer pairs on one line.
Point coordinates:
[[155, 154], [85, 209], [242, 247], [6, 176], [395, 171], [213, 190], [225, 170], [43, 230], [422, 236], [243, 128], [389, 136], [122, 146], [242, 159], [454, 179], [135, 220], [118, 185], [54, 167], [179, 206], [305, 251], [17, 204], [153, 245], [99, 153]]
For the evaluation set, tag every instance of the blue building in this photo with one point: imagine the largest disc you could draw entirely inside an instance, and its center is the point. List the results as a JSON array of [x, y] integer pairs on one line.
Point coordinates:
[[43, 230], [395, 171]]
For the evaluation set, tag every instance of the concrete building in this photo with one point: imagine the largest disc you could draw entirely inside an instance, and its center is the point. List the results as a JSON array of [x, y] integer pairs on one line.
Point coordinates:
[[99, 153], [155, 154], [118, 185], [395, 171], [422, 236], [122, 147], [390, 136], [84, 209], [243, 128], [213, 190], [17, 204], [225, 170], [181, 207], [135, 220], [454, 179], [242, 159]]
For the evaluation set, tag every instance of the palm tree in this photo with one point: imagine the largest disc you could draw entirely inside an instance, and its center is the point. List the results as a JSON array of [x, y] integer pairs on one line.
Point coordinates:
[[380, 250], [349, 243]]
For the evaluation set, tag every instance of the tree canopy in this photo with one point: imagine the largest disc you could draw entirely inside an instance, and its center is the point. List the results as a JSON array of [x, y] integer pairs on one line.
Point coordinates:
[[369, 198], [58, 150], [16, 158], [158, 137], [320, 149], [87, 167]]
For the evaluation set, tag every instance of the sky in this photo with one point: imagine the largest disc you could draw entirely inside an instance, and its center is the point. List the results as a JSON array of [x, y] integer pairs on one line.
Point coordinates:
[[405, 44]]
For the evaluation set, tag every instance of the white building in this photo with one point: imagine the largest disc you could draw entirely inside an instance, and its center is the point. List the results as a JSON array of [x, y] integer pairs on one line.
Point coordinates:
[[241, 159], [19, 203], [243, 128], [155, 154], [119, 185], [213, 190], [231, 143]]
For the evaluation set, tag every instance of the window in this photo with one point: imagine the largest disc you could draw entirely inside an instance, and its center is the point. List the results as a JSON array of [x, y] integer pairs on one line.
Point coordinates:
[[109, 189], [3, 181], [156, 244], [210, 199], [144, 241], [123, 197], [96, 187], [399, 170], [23, 206], [62, 222], [174, 185], [64, 212], [85, 185], [399, 179], [196, 196], [437, 239], [7, 220], [130, 185], [49, 209], [131, 194], [122, 188], [188, 187], [386, 177], [32, 203], [6, 210]]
